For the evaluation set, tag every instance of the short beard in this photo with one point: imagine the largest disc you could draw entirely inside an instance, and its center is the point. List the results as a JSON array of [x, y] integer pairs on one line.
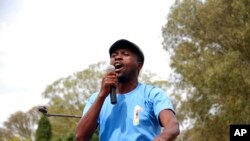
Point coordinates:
[[125, 77]]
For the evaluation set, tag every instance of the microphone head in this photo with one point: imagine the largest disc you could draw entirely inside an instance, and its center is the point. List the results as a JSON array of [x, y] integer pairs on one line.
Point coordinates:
[[43, 109], [110, 68]]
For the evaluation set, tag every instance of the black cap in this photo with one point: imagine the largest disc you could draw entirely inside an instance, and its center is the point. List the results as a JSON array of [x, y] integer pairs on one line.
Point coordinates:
[[127, 44]]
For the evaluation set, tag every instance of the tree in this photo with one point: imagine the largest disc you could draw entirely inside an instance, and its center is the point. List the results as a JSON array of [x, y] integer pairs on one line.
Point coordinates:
[[68, 95], [71, 137], [20, 125], [209, 46], [4, 135], [43, 132]]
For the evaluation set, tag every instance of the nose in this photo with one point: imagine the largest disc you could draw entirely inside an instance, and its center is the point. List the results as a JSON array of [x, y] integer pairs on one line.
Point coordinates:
[[118, 56]]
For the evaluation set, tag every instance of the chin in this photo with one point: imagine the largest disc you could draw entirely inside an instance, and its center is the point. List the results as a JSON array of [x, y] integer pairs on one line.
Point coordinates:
[[121, 79]]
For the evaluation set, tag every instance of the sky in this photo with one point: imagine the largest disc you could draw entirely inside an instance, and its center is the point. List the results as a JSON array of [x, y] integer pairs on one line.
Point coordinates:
[[44, 40]]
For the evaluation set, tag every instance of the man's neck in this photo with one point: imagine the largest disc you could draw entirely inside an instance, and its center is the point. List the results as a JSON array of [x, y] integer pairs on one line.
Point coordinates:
[[126, 87]]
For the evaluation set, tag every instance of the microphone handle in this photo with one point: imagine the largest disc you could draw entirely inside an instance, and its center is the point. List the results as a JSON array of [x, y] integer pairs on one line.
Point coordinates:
[[113, 96]]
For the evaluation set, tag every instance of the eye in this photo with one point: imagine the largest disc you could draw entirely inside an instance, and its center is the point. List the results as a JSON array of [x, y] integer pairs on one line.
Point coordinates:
[[126, 53], [113, 55]]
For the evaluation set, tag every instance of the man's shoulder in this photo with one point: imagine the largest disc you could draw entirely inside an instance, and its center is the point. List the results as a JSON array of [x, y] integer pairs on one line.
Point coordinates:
[[150, 91], [148, 88]]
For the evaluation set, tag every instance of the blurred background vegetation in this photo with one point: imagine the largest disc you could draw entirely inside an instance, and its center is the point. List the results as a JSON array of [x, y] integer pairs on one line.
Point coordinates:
[[208, 41]]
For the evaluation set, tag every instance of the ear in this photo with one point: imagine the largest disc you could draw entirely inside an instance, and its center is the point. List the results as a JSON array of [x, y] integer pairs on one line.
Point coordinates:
[[139, 65]]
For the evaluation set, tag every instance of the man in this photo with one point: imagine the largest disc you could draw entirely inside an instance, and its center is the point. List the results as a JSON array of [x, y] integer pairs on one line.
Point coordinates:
[[141, 109]]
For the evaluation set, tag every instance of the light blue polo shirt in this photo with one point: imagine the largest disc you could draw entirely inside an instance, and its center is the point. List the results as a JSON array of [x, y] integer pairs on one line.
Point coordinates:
[[134, 117]]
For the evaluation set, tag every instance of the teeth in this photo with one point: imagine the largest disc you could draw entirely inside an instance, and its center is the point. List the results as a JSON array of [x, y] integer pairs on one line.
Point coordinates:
[[117, 65]]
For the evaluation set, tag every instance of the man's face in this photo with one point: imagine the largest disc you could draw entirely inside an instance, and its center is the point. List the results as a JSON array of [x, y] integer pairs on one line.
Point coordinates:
[[126, 63]]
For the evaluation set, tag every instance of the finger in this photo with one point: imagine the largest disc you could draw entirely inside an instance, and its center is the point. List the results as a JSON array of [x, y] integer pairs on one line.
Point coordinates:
[[110, 80], [111, 73]]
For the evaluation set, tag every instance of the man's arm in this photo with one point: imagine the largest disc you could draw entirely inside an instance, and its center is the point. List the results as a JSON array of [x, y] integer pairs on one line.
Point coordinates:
[[170, 124], [88, 123]]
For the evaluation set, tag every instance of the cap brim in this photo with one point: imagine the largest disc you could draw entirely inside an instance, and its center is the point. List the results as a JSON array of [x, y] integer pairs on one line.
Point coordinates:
[[125, 43]]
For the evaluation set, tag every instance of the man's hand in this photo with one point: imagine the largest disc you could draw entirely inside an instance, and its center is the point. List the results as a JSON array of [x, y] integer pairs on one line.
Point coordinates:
[[108, 80], [159, 138]]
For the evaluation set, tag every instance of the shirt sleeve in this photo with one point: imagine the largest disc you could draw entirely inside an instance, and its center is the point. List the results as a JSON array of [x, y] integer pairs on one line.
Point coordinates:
[[160, 101], [89, 102]]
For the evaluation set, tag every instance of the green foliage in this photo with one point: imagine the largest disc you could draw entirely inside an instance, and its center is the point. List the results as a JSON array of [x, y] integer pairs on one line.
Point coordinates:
[[209, 43], [70, 137], [20, 126], [68, 95], [95, 136], [43, 132]]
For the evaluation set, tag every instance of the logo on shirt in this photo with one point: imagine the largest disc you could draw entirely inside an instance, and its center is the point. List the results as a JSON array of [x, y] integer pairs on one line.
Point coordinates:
[[137, 110]]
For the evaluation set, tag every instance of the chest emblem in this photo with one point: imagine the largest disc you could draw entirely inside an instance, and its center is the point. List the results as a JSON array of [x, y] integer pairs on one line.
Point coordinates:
[[136, 119]]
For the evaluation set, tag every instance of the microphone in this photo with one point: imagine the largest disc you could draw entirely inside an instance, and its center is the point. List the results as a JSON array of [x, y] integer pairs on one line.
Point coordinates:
[[113, 99]]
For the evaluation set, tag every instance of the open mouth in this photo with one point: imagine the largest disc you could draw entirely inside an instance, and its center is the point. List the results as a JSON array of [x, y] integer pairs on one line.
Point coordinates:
[[118, 66]]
